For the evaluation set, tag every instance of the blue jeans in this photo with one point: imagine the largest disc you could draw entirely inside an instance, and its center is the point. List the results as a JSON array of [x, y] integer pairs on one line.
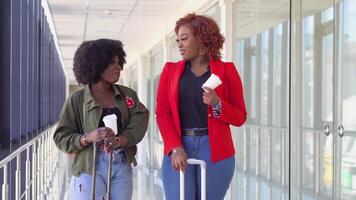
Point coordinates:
[[218, 175], [121, 185]]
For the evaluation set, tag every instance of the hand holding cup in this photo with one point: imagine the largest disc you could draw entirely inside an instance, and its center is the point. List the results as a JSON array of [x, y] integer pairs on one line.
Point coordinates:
[[99, 134], [110, 142], [213, 82], [110, 121]]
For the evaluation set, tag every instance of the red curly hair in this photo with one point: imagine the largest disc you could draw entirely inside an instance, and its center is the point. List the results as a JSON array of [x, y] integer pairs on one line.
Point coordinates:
[[206, 30]]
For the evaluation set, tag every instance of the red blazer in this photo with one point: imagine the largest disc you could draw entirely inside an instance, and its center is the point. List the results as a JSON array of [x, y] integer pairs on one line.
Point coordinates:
[[233, 108]]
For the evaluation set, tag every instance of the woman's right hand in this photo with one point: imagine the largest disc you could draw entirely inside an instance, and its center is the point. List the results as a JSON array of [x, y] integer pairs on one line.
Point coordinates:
[[99, 134], [179, 159]]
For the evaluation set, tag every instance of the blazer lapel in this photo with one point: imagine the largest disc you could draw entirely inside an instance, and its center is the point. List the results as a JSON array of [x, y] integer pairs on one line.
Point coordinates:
[[177, 73], [217, 68], [178, 69]]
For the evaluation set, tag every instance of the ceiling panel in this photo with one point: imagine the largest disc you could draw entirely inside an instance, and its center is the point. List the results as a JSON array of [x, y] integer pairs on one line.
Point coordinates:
[[128, 20]]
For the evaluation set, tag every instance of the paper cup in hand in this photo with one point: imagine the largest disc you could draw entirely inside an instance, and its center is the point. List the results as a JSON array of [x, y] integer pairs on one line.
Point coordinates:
[[110, 122], [213, 82]]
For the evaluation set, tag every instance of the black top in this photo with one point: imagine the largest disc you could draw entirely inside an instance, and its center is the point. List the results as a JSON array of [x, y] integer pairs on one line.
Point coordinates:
[[193, 111], [109, 111]]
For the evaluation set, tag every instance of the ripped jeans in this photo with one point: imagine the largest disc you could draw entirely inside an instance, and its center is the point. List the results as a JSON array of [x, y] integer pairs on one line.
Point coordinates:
[[121, 185]]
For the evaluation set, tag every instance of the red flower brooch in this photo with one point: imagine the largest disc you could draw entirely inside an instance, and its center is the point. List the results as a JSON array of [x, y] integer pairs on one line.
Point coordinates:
[[130, 102]]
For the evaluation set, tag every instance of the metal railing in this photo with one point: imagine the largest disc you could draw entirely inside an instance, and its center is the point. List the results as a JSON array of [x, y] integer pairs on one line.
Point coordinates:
[[41, 166]]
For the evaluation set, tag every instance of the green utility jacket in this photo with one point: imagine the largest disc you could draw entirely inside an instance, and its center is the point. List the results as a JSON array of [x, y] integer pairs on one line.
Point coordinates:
[[81, 114]]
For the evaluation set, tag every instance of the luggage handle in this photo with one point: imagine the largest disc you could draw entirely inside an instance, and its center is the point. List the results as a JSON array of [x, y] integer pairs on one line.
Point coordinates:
[[108, 189], [94, 171], [193, 161]]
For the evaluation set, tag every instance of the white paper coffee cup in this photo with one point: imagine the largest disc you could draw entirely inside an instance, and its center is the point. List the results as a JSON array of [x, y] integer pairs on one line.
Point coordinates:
[[110, 122], [213, 82]]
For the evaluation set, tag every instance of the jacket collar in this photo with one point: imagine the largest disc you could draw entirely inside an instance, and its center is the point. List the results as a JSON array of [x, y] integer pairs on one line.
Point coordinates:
[[215, 68], [89, 99]]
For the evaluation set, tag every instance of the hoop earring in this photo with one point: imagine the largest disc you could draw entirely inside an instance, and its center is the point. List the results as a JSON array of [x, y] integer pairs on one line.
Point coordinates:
[[202, 51]]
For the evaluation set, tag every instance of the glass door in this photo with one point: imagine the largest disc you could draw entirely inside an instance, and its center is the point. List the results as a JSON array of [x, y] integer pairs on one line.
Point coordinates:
[[345, 162], [312, 101], [261, 46]]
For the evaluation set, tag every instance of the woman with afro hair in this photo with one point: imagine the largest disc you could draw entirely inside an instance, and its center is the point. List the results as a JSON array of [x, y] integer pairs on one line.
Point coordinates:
[[97, 66], [195, 122]]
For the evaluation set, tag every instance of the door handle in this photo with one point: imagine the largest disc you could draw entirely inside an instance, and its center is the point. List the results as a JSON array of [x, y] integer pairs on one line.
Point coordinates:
[[327, 130], [340, 131]]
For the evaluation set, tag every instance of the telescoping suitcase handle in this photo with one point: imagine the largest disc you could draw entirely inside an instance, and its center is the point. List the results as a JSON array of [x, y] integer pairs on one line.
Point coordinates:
[[108, 189], [192, 161]]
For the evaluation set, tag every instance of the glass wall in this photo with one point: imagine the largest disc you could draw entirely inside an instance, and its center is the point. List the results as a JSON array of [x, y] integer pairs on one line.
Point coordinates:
[[321, 76], [327, 167], [214, 12], [133, 77], [346, 12], [154, 63], [322, 156], [172, 48], [261, 43], [316, 105]]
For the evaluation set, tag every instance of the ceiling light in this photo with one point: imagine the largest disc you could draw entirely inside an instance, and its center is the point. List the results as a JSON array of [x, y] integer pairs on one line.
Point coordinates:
[[108, 12]]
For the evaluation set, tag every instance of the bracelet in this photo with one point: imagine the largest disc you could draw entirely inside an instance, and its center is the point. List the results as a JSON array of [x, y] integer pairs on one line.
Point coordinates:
[[85, 139]]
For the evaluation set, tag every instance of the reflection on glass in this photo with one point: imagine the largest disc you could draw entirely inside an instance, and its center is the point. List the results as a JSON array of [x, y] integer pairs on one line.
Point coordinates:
[[277, 156], [265, 190], [308, 72], [261, 36], [214, 12], [251, 187], [134, 77], [258, 188], [259, 42], [173, 51], [240, 185], [326, 101], [308, 161], [254, 100], [277, 76], [348, 164], [240, 133], [327, 15], [240, 59], [327, 166], [276, 193], [252, 150], [327, 63], [154, 61], [348, 66], [317, 97], [157, 65], [264, 80], [264, 152]]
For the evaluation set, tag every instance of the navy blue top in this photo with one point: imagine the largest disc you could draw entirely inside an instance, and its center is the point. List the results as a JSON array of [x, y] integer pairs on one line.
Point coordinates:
[[193, 111], [109, 111]]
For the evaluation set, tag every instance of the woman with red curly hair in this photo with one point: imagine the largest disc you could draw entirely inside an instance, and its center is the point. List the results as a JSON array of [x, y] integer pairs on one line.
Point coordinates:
[[195, 123]]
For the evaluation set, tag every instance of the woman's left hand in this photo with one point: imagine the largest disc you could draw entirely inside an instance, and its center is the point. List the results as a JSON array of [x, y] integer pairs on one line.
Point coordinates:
[[210, 97]]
